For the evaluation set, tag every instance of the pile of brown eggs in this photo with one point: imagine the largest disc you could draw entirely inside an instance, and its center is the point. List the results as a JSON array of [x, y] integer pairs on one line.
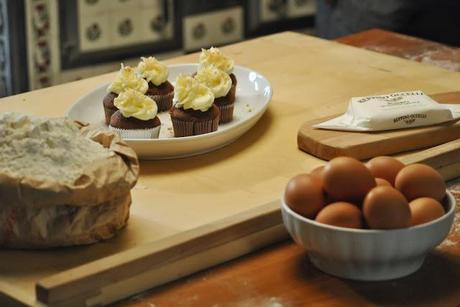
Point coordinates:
[[380, 194]]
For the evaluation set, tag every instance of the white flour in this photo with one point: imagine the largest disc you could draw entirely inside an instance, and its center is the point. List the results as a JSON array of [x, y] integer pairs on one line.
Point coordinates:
[[43, 148]]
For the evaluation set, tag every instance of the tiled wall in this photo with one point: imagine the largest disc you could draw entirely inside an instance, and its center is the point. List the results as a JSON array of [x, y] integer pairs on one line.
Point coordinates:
[[109, 23]]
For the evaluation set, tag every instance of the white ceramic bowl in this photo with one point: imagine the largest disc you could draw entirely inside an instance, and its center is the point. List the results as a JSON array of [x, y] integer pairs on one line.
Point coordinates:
[[365, 254]]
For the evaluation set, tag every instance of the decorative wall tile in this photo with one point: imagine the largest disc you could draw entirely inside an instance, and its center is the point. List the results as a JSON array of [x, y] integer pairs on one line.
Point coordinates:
[[94, 32], [92, 7], [121, 5], [107, 24], [301, 8], [272, 10], [153, 26], [125, 27], [213, 28], [151, 3]]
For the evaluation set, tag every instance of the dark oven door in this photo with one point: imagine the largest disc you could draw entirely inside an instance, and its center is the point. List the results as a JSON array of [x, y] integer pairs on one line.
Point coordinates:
[[96, 31]]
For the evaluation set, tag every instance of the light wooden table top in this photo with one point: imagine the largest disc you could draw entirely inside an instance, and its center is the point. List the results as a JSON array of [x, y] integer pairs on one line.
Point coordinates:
[[281, 275], [311, 78]]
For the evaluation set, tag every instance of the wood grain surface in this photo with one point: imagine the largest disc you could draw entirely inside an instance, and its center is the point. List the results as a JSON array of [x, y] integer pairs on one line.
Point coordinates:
[[407, 47], [281, 275], [328, 144], [311, 78]]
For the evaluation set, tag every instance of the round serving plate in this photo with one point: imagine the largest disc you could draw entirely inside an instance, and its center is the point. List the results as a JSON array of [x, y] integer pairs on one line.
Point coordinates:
[[253, 94]]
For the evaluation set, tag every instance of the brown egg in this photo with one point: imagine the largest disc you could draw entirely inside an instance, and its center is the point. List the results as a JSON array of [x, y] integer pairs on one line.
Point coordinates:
[[424, 210], [341, 214], [317, 172], [385, 167], [347, 179], [420, 180], [386, 208], [304, 195], [381, 181]]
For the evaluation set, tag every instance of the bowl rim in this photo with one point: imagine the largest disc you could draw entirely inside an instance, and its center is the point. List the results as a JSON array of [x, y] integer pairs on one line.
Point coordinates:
[[451, 202]]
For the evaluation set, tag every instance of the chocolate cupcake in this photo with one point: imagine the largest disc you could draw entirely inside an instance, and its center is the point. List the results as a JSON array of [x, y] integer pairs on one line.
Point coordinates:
[[220, 84], [156, 74], [214, 56], [125, 79], [136, 117], [109, 107], [193, 112]]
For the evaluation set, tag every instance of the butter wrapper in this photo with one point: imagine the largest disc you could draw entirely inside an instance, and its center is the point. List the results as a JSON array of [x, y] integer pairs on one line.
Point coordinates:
[[399, 110]]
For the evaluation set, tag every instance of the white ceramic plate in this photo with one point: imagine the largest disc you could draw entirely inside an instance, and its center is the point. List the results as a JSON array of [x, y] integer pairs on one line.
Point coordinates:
[[253, 94]]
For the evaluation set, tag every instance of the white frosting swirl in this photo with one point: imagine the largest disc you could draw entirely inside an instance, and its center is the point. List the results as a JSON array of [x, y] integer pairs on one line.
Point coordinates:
[[153, 70], [217, 80], [126, 79], [214, 56], [131, 103], [191, 94]]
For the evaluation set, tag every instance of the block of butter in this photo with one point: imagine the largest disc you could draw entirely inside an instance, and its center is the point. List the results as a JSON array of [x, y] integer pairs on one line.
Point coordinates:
[[392, 111]]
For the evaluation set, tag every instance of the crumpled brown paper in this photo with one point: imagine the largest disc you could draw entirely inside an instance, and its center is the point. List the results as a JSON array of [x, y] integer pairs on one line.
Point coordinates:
[[44, 213]]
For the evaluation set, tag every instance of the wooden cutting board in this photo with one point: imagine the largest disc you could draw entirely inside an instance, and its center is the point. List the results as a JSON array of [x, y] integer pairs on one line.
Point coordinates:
[[328, 144]]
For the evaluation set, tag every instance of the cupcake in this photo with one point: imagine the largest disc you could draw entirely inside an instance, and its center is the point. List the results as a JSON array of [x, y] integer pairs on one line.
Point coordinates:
[[214, 56], [156, 74], [136, 117], [221, 86], [193, 112], [124, 80]]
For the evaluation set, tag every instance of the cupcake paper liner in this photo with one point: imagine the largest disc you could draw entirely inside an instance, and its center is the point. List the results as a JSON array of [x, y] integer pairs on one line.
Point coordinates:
[[226, 113], [206, 126], [188, 128], [152, 133], [226, 108], [164, 102], [182, 128]]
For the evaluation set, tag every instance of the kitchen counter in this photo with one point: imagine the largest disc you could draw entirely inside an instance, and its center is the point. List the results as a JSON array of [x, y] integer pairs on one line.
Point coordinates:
[[281, 274], [196, 212]]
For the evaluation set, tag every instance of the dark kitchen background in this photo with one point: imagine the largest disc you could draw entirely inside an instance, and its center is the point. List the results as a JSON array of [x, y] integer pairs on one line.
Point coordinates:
[[47, 42]]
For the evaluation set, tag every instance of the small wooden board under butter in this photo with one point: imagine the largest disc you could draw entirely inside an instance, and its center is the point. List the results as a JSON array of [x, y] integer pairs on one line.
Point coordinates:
[[192, 213], [327, 144]]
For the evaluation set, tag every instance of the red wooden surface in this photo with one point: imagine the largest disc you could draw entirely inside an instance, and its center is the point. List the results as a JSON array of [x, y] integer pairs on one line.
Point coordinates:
[[407, 47]]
